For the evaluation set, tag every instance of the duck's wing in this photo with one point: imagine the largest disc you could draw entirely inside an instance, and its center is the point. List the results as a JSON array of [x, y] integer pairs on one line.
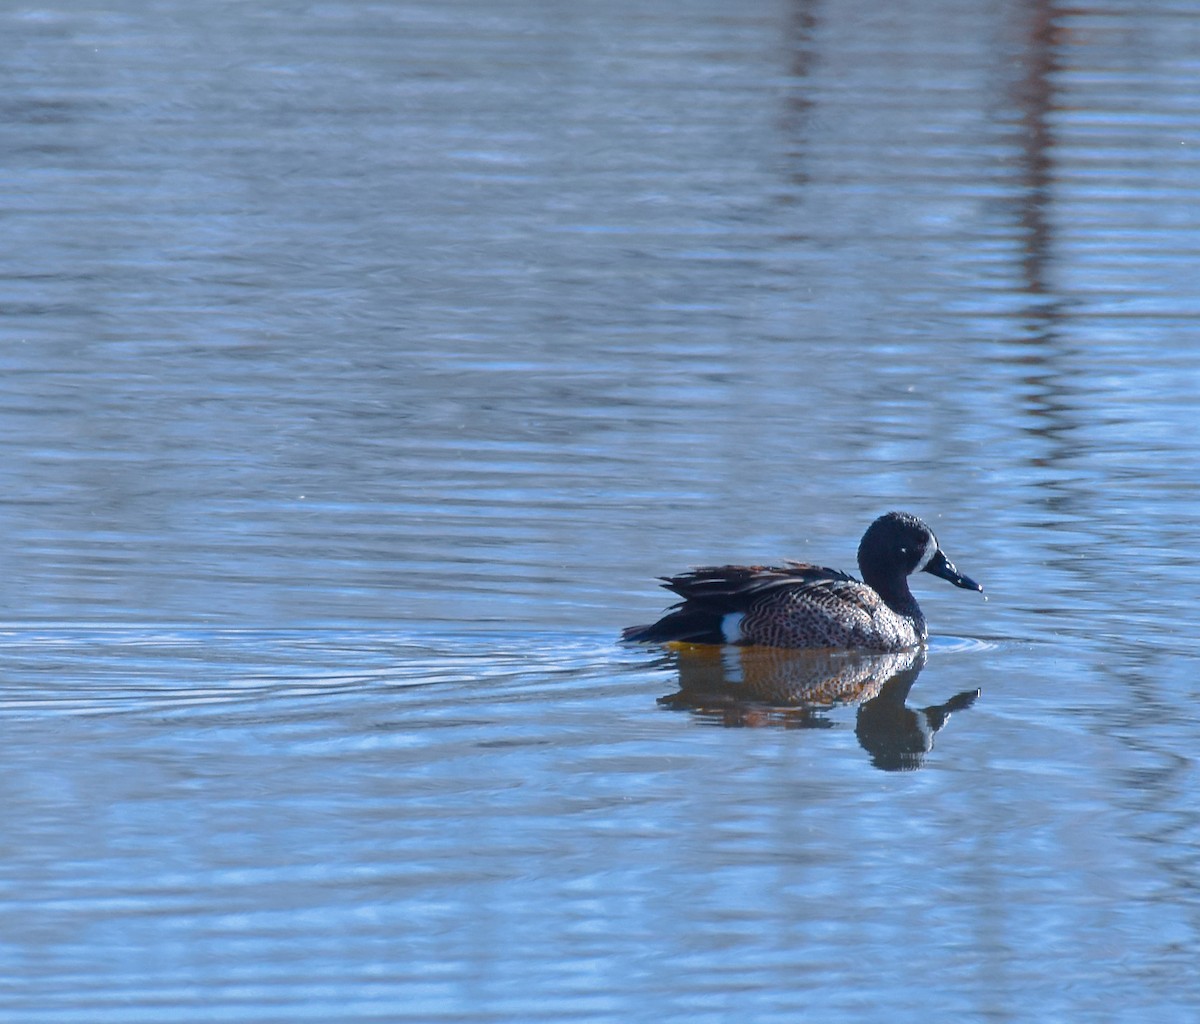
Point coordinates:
[[712, 593], [736, 587], [837, 586]]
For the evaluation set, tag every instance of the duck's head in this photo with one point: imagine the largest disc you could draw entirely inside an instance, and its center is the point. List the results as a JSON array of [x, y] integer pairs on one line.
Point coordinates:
[[897, 545]]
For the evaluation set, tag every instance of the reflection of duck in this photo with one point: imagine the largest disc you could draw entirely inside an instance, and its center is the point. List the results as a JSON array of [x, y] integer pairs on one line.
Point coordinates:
[[896, 736], [764, 685], [774, 677], [802, 605]]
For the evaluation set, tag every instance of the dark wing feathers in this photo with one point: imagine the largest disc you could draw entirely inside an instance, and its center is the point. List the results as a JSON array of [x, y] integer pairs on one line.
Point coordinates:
[[733, 587], [713, 592]]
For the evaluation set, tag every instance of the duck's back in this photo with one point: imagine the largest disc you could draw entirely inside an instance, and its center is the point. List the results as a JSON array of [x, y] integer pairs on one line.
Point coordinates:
[[797, 605]]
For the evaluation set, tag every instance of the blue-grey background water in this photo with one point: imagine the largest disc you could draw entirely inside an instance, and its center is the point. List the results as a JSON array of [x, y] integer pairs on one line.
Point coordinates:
[[362, 363]]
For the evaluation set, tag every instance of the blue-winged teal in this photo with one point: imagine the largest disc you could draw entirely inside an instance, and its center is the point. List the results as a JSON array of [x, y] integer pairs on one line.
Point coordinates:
[[802, 605]]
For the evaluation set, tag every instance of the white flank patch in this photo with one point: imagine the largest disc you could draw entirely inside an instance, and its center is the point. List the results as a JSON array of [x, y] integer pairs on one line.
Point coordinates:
[[731, 627], [930, 551]]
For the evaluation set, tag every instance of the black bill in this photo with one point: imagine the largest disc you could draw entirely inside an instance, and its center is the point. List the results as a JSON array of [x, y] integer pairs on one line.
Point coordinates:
[[941, 566]]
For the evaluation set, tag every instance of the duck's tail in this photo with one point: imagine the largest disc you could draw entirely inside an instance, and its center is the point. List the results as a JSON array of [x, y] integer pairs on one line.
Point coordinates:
[[684, 625]]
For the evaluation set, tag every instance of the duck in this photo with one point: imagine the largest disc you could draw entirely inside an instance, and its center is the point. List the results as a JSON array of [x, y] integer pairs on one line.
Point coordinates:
[[801, 605]]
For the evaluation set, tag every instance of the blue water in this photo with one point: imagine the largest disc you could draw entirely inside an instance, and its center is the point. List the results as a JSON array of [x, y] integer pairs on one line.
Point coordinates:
[[361, 366]]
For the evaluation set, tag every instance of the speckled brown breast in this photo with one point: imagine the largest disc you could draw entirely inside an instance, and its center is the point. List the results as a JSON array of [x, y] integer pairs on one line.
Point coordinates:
[[829, 613]]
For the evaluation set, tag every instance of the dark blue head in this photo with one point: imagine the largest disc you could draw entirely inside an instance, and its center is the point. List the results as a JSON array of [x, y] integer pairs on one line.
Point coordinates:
[[898, 544]]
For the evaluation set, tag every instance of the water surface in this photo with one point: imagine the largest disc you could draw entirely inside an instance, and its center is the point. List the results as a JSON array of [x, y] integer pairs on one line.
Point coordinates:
[[361, 366]]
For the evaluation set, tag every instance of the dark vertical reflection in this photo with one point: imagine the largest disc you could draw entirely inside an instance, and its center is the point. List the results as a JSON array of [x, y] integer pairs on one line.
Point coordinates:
[[797, 105], [1053, 391], [1046, 382], [1034, 95]]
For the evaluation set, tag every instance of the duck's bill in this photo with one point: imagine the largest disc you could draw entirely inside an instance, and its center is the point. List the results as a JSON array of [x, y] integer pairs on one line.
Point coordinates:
[[941, 566]]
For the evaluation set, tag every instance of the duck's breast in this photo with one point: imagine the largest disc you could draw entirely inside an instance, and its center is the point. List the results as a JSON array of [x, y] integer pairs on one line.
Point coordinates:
[[827, 613]]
